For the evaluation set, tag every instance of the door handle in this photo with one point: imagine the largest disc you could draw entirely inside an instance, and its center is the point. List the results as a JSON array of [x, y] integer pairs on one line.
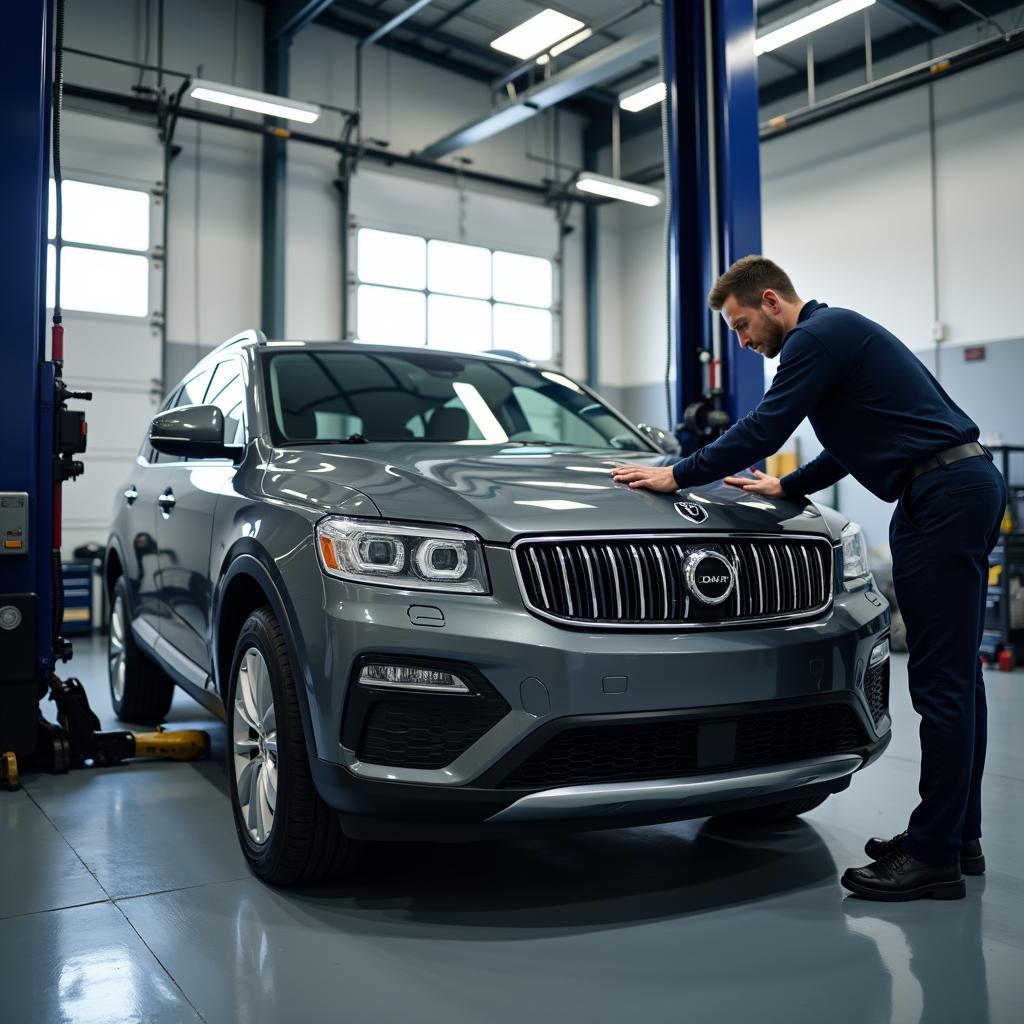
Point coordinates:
[[166, 501], [130, 494]]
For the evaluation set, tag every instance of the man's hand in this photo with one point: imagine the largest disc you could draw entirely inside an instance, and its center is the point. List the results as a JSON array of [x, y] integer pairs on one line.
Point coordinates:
[[653, 478], [764, 484]]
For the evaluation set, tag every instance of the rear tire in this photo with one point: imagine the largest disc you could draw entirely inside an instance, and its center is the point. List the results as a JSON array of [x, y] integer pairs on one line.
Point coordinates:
[[286, 831], [139, 690], [774, 813]]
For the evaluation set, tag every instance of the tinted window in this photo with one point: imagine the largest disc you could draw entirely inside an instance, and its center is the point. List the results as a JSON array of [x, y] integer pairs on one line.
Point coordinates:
[[227, 393], [432, 397], [194, 388]]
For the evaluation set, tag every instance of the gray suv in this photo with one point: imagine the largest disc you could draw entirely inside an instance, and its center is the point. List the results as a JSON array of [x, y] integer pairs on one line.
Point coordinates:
[[409, 585]]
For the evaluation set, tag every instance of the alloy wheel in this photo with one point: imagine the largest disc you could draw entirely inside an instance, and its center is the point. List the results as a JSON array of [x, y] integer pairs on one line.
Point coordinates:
[[254, 745], [115, 649]]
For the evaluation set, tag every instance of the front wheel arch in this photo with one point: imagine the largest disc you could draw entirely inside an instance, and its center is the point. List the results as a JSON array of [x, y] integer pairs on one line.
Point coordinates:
[[247, 579]]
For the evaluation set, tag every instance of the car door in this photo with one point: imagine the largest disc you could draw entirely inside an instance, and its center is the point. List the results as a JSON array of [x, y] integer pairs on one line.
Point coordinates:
[[136, 516], [184, 523]]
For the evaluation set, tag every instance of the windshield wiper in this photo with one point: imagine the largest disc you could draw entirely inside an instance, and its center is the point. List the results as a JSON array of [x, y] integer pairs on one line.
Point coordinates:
[[351, 439]]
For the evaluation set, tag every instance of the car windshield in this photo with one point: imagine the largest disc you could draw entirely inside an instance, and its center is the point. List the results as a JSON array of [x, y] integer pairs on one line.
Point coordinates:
[[318, 395]]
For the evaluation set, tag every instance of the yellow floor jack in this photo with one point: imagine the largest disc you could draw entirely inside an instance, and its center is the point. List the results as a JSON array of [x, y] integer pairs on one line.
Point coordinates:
[[76, 740]]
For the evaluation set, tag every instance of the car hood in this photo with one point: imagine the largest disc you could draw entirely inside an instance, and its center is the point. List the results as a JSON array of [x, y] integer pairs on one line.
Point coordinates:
[[505, 491]]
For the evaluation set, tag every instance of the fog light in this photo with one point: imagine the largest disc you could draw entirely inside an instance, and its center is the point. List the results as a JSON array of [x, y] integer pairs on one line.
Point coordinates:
[[879, 653], [411, 677]]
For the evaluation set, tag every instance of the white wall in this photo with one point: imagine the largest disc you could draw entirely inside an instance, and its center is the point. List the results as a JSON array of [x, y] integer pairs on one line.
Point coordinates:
[[214, 234]]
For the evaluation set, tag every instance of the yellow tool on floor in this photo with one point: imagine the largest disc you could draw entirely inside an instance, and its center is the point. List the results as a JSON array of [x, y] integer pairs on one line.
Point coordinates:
[[180, 745], [8, 770]]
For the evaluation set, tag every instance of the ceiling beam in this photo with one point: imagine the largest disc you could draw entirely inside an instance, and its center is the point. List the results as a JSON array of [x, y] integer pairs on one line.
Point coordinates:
[[887, 46], [286, 17], [607, 63], [388, 27], [921, 13], [427, 30], [415, 50], [462, 46]]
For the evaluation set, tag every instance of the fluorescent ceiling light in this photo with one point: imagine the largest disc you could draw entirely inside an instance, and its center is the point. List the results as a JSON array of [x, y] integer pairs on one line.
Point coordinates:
[[568, 44], [642, 96], [536, 34], [258, 102], [826, 15], [615, 188]]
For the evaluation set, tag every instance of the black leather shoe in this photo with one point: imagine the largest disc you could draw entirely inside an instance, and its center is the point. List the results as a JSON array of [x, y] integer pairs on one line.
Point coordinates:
[[897, 876], [972, 860]]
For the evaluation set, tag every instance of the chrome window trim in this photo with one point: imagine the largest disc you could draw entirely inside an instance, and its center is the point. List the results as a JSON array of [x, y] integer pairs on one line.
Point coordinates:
[[697, 537]]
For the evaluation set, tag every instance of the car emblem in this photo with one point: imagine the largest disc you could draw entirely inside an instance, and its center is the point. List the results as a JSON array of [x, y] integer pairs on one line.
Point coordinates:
[[691, 510], [710, 577]]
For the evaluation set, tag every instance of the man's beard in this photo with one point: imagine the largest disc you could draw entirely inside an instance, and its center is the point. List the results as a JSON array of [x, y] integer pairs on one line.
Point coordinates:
[[772, 335]]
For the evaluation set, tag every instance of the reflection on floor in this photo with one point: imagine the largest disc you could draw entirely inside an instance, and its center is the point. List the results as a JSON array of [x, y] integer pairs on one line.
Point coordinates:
[[123, 897]]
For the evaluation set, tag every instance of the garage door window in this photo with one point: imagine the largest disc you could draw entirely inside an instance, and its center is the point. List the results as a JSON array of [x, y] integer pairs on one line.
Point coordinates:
[[104, 259], [467, 298]]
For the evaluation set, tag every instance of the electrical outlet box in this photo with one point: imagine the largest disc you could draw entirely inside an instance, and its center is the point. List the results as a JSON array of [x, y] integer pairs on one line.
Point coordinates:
[[938, 331], [13, 523]]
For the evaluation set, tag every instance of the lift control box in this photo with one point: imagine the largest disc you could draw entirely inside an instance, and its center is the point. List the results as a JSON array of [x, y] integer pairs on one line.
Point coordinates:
[[13, 523]]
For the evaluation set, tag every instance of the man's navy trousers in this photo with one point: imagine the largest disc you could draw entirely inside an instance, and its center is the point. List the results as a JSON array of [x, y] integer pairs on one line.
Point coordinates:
[[944, 526]]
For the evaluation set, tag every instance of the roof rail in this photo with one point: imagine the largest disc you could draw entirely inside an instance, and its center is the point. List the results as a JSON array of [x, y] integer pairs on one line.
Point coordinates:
[[508, 354], [252, 335]]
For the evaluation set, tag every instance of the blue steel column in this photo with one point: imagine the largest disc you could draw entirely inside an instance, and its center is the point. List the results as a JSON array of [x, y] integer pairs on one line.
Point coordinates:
[[713, 155], [739, 181], [275, 184], [25, 412]]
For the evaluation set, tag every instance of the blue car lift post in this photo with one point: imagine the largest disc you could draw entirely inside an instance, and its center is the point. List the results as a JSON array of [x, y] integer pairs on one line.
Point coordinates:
[[41, 437], [28, 384], [714, 187]]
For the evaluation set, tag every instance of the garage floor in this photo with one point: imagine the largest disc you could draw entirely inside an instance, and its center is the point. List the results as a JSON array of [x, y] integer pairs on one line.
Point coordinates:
[[123, 897]]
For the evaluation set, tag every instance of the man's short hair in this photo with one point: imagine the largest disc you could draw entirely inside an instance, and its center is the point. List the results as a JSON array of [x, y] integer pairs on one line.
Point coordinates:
[[747, 280]]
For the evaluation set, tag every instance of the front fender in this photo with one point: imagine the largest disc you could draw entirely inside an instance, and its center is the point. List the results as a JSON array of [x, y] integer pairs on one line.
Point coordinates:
[[246, 557]]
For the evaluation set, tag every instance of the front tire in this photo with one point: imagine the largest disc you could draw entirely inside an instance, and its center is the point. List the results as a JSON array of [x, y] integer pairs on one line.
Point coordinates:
[[773, 814], [139, 690], [286, 831]]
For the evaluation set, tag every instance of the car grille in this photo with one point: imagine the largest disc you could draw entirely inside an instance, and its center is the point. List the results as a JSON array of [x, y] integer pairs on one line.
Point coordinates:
[[427, 731], [667, 749], [876, 689], [639, 582]]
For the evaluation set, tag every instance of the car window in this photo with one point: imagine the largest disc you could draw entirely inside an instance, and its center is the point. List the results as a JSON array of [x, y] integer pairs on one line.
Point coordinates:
[[227, 392], [547, 419], [432, 396], [194, 388]]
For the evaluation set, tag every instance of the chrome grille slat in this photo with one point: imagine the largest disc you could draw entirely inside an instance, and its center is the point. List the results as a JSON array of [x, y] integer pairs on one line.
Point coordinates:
[[565, 581], [792, 575], [776, 576], [590, 578], [638, 582]]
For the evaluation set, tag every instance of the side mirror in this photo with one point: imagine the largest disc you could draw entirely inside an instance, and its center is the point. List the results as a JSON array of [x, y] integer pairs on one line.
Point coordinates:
[[191, 432], [661, 439]]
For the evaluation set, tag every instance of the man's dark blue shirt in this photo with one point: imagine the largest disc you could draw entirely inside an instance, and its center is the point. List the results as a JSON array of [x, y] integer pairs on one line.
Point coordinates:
[[875, 409]]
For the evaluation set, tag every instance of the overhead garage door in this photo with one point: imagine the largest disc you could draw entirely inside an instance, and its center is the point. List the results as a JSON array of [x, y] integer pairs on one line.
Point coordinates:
[[112, 302]]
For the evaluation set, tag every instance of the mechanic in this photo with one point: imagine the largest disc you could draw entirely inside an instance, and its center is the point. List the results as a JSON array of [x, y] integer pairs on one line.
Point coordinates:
[[883, 418]]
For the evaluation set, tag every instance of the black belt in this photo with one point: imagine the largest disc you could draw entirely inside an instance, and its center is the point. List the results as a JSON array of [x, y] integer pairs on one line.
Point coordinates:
[[971, 450]]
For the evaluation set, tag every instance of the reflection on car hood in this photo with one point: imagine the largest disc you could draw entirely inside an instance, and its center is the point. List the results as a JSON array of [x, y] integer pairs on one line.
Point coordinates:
[[505, 491]]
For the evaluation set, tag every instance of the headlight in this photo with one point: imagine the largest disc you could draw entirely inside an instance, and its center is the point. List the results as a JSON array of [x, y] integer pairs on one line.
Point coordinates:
[[855, 553], [402, 555]]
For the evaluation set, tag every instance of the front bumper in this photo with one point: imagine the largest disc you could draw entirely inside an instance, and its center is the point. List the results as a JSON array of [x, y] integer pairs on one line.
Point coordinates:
[[551, 678]]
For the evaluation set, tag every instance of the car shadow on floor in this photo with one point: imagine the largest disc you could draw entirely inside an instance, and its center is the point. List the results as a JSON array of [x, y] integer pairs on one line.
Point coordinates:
[[596, 878]]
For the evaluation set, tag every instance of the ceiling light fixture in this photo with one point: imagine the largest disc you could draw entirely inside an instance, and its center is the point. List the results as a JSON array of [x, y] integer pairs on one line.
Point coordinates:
[[616, 188], [536, 34], [257, 102], [640, 97], [808, 23]]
